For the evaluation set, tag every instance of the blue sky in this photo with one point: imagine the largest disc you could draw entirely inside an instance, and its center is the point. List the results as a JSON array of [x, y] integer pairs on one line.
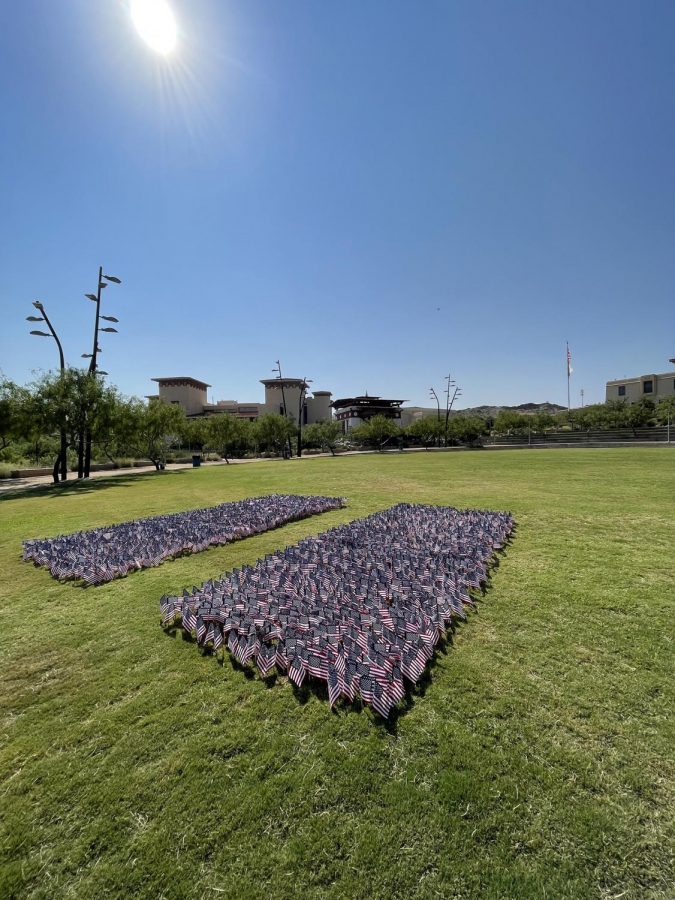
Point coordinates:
[[377, 193]]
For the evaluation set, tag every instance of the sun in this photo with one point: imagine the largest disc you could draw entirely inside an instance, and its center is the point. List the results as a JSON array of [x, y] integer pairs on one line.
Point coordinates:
[[155, 23]]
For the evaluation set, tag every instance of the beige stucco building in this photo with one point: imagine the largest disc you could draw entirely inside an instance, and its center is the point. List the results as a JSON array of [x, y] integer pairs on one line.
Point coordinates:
[[191, 395], [651, 387], [293, 394], [181, 390]]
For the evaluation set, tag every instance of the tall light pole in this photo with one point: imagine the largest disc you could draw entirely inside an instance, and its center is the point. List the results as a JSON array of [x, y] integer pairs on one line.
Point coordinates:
[[62, 461], [449, 402], [277, 369], [432, 393], [303, 392], [84, 465]]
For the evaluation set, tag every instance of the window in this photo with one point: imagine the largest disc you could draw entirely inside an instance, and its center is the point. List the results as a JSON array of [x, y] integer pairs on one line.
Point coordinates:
[[648, 386], [622, 390]]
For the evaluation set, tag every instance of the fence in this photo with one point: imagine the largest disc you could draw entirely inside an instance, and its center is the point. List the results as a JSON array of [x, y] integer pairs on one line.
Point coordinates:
[[596, 436]]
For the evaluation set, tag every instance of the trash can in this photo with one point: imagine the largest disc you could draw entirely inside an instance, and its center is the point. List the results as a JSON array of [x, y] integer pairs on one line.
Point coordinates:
[[196, 460]]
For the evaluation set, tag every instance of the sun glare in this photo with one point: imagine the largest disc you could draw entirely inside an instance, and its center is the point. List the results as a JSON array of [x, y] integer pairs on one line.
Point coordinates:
[[155, 23]]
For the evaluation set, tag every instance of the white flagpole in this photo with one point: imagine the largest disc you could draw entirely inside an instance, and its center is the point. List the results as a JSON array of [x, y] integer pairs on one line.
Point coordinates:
[[567, 363]]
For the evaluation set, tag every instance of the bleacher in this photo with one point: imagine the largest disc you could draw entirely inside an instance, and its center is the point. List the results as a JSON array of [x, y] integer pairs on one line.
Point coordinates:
[[595, 436]]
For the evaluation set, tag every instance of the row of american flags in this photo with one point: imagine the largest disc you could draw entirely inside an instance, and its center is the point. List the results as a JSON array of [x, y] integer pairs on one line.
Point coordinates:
[[360, 607], [103, 554]]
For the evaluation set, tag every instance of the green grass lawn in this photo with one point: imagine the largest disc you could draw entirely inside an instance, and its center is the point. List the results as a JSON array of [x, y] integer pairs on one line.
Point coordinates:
[[536, 760]]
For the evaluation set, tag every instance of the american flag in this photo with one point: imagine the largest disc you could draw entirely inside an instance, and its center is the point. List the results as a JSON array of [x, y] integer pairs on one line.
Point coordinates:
[[327, 608], [103, 554]]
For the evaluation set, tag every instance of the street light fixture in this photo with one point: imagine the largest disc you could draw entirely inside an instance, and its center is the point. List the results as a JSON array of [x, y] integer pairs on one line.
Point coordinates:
[[61, 465], [449, 402], [303, 392], [277, 369], [84, 464]]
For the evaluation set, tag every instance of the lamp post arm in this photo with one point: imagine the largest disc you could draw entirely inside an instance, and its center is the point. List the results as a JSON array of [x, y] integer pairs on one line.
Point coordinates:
[[49, 325]]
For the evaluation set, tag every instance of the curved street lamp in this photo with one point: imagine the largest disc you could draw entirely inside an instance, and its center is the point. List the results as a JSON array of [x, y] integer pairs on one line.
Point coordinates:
[[61, 464], [434, 395]]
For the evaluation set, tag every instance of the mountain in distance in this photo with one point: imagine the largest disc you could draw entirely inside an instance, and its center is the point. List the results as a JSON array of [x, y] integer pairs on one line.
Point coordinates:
[[526, 409]]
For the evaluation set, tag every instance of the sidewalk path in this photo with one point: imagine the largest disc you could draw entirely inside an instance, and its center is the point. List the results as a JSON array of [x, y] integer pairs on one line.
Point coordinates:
[[8, 485]]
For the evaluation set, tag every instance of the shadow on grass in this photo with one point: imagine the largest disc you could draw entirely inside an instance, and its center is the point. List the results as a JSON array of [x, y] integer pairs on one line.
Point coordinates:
[[318, 689], [87, 485], [314, 687]]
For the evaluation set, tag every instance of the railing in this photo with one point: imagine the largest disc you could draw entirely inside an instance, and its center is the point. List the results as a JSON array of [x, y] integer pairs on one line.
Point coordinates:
[[657, 434]]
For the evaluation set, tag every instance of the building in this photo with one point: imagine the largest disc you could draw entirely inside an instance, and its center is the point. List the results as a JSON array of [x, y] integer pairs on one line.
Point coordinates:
[[353, 411], [249, 411], [411, 414], [651, 387], [181, 390], [285, 396], [191, 395]]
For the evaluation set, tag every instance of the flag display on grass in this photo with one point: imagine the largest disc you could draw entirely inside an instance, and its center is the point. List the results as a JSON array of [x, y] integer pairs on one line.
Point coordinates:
[[360, 607], [103, 554]]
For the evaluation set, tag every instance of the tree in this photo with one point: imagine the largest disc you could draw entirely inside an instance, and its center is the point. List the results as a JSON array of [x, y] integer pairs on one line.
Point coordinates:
[[616, 413], [509, 422], [153, 427], [196, 434], [541, 421], [468, 429], [640, 414], [112, 424], [665, 411], [12, 402], [224, 434], [73, 401], [35, 427], [582, 418], [273, 432], [426, 430], [376, 431], [323, 434]]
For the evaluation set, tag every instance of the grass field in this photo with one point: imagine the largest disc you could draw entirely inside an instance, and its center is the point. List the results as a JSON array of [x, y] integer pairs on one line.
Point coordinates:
[[537, 759]]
